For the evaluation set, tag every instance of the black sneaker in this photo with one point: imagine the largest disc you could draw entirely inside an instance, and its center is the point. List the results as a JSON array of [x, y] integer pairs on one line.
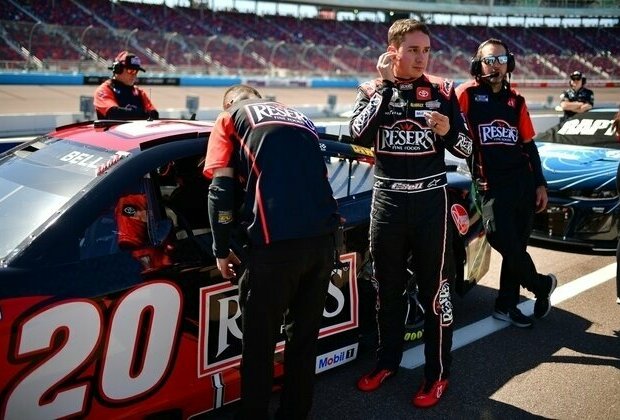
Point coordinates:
[[515, 317], [542, 306]]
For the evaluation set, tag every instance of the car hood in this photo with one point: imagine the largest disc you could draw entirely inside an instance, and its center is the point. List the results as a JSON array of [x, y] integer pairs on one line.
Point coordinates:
[[569, 167]]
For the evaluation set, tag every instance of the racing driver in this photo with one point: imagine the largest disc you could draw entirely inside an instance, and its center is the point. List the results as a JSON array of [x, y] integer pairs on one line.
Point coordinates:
[[410, 118]]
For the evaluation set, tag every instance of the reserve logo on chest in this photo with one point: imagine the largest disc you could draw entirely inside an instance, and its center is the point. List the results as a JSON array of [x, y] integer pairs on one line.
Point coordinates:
[[406, 137], [498, 132]]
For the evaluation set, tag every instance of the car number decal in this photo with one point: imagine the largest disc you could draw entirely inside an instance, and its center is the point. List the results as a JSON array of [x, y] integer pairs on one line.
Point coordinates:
[[136, 345]]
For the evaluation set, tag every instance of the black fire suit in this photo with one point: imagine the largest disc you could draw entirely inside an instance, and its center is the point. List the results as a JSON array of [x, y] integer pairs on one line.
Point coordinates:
[[506, 169], [409, 214]]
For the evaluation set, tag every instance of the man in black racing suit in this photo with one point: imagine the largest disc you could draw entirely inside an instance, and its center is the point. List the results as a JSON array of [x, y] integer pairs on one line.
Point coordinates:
[[410, 118]]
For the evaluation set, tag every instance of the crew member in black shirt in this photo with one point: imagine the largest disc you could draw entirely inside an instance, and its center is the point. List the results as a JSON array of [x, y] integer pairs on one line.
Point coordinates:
[[508, 177], [578, 98], [290, 216]]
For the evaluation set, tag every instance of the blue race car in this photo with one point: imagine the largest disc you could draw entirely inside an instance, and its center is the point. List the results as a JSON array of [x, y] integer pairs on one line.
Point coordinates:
[[580, 158]]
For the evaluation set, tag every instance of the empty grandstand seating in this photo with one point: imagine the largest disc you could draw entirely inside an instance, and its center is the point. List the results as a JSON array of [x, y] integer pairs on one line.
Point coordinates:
[[72, 33]]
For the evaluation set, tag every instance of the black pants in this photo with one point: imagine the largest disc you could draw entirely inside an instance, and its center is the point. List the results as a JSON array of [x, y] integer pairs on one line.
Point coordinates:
[[289, 280], [508, 214], [425, 236]]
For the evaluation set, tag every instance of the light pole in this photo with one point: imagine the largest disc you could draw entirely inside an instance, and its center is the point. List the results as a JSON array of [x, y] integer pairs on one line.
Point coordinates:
[[133, 31], [273, 53], [168, 39], [333, 56], [206, 56], [245, 44], [30, 43], [88, 28], [209, 40], [359, 59], [82, 46], [305, 49]]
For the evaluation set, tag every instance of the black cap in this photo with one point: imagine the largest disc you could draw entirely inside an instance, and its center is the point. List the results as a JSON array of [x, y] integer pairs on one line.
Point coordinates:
[[576, 75], [128, 61]]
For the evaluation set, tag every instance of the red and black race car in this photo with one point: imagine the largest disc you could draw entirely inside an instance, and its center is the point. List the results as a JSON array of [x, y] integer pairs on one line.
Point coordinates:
[[110, 302]]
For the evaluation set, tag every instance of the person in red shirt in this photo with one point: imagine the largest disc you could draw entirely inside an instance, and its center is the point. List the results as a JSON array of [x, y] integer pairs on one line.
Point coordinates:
[[118, 98], [507, 175]]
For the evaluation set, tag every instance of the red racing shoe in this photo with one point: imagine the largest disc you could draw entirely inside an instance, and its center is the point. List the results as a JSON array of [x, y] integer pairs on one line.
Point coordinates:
[[373, 380], [429, 396]]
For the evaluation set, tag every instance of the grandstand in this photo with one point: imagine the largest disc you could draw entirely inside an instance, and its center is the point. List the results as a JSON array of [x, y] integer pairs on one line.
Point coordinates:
[[83, 36]]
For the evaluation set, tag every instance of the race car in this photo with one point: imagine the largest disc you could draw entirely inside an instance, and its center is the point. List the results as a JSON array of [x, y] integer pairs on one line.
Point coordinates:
[[580, 158], [111, 305]]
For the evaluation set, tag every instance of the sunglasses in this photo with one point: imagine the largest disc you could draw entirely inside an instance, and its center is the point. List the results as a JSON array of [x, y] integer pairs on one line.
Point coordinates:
[[492, 59], [132, 71]]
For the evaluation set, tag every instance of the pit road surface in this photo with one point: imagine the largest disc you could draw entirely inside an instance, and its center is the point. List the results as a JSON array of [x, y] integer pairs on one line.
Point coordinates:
[[566, 367]]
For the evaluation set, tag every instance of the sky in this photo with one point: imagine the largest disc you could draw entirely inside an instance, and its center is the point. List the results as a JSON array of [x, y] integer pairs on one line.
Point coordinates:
[[271, 8]]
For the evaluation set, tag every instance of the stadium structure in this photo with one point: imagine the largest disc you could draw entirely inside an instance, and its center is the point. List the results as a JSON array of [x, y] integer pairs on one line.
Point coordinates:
[[79, 36]]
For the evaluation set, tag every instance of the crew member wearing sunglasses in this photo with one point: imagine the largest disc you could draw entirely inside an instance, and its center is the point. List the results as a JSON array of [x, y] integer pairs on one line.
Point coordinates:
[[578, 98], [118, 98], [508, 177]]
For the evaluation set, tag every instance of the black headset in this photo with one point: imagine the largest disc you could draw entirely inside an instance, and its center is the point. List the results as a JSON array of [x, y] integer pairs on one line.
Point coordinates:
[[475, 67], [117, 67]]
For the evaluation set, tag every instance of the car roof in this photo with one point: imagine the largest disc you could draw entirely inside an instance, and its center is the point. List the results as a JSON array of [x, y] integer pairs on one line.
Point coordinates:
[[132, 135]]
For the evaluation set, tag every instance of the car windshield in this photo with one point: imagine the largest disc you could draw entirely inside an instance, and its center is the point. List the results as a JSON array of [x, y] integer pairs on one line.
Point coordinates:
[[36, 181]]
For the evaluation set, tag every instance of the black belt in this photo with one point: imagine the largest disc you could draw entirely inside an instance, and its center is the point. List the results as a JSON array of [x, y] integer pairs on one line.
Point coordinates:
[[412, 185]]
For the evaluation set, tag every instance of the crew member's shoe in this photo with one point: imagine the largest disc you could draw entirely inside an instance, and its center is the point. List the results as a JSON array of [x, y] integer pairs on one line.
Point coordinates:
[[428, 396], [373, 380], [542, 306], [515, 317]]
